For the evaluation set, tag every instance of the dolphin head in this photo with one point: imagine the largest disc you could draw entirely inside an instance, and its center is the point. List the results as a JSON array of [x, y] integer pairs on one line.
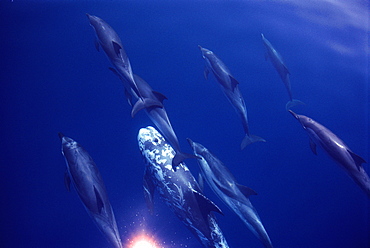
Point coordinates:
[[205, 51], [305, 121], [197, 148], [95, 21]]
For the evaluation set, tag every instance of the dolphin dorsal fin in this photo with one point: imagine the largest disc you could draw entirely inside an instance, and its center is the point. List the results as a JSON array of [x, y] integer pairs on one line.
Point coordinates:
[[99, 201], [67, 181], [234, 82], [159, 96], [313, 147], [245, 190], [117, 48], [206, 205], [358, 160], [149, 188]]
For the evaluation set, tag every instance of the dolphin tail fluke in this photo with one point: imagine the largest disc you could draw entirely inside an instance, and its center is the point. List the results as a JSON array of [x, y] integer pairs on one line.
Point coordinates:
[[180, 157], [145, 103], [249, 139], [292, 103]]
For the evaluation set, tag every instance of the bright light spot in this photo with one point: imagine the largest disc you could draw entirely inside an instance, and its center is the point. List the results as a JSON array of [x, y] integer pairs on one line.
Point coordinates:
[[143, 244], [143, 241]]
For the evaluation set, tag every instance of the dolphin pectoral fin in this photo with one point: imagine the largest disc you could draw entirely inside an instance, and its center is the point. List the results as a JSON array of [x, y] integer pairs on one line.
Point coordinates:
[[206, 205], [292, 103], [206, 72], [313, 147], [234, 82], [159, 96], [245, 190], [148, 191], [179, 157], [358, 160], [96, 43], [249, 139], [67, 181], [128, 97], [99, 201], [201, 181], [145, 103], [117, 48]]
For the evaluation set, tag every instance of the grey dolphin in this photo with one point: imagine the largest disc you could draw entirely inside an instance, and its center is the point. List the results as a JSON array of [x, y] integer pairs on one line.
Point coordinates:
[[231, 90], [179, 190], [234, 195], [278, 63], [108, 39], [336, 149], [160, 118], [85, 176]]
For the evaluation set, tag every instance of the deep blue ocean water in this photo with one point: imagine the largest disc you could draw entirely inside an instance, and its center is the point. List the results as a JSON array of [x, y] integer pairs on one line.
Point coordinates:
[[53, 80]]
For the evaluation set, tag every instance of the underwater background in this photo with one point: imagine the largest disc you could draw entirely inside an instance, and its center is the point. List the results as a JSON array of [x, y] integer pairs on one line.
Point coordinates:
[[53, 80]]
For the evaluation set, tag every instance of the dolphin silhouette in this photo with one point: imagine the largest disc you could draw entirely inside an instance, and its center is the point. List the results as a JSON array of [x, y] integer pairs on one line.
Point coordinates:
[[234, 195], [179, 190], [278, 63], [108, 39], [85, 176], [336, 149], [231, 90]]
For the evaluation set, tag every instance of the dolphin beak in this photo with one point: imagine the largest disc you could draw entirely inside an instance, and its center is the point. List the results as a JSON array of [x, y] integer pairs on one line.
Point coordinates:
[[60, 136], [294, 114], [200, 47]]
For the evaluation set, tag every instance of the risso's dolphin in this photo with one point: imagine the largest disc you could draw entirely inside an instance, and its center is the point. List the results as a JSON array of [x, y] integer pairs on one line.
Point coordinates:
[[85, 176], [178, 189], [160, 118], [231, 90], [281, 68], [234, 195], [336, 149], [108, 39]]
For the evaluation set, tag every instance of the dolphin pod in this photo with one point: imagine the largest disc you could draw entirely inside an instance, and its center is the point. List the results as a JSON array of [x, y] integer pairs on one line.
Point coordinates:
[[179, 189], [336, 149], [278, 63], [234, 195], [231, 90], [84, 174]]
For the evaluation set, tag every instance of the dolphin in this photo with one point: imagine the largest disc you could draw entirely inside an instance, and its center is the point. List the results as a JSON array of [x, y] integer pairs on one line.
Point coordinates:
[[160, 118], [179, 190], [336, 149], [234, 195], [110, 42], [85, 176], [278, 63], [231, 90]]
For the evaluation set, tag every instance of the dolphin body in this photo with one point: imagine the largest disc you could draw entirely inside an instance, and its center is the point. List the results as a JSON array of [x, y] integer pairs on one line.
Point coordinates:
[[336, 149], [278, 63], [160, 118], [108, 39], [231, 90], [85, 176], [234, 195], [179, 189]]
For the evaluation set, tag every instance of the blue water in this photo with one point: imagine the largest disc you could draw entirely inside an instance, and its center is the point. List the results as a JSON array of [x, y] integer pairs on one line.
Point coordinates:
[[53, 80]]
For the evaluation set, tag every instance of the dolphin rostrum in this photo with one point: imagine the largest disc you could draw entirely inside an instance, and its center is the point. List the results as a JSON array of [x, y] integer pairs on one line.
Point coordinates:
[[231, 90], [281, 68], [179, 190], [234, 195], [85, 176], [336, 149], [108, 39], [160, 118]]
